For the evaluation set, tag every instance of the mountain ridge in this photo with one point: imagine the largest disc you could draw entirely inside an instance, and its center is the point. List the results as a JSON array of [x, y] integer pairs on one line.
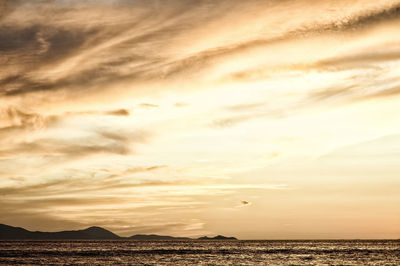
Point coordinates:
[[8, 232]]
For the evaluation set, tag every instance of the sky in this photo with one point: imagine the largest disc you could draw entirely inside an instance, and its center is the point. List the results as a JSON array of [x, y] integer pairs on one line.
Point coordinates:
[[260, 119]]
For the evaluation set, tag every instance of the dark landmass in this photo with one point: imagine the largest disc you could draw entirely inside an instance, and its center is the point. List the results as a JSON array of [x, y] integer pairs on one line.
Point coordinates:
[[157, 237], [94, 232], [218, 237], [91, 233]]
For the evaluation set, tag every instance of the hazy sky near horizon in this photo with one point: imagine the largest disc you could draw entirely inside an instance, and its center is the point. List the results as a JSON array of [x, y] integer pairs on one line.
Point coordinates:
[[163, 116]]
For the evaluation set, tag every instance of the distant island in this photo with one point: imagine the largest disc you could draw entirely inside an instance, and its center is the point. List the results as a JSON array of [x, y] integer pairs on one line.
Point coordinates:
[[8, 232], [156, 237], [218, 237]]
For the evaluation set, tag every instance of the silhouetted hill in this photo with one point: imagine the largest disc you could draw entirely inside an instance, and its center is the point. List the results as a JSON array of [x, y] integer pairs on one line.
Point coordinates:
[[157, 237], [10, 232], [94, 232], [218, 237]]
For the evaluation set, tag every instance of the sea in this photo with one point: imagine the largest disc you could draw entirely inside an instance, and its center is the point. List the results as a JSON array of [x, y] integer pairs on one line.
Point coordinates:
[[202, 252]]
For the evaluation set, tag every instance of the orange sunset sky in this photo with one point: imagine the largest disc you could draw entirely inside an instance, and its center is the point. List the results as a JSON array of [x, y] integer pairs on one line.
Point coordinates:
[[163, 116]]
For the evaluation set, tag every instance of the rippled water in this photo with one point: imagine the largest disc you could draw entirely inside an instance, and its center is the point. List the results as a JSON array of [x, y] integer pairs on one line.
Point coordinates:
[[343, 252]]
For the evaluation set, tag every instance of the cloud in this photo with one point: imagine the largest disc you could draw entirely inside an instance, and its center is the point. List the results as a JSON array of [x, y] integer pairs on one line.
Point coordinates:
[[14, 123], [294, 78], [103, 52], [119, 112], [52, 154], [70, 149], [148, 105], [361, 60], [142, 169], [14, 118]]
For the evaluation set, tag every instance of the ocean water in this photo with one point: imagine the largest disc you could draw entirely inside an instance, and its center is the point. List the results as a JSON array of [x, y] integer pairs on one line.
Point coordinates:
[[342, 252]]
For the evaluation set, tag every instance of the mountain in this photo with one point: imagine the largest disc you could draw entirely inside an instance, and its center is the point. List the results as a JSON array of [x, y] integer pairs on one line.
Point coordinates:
[[94, 232], [218, 237], [10, 232], [157, 237]]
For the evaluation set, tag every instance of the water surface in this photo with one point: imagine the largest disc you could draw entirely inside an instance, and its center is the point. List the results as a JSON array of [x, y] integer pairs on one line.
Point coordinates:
[[312, 252]]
